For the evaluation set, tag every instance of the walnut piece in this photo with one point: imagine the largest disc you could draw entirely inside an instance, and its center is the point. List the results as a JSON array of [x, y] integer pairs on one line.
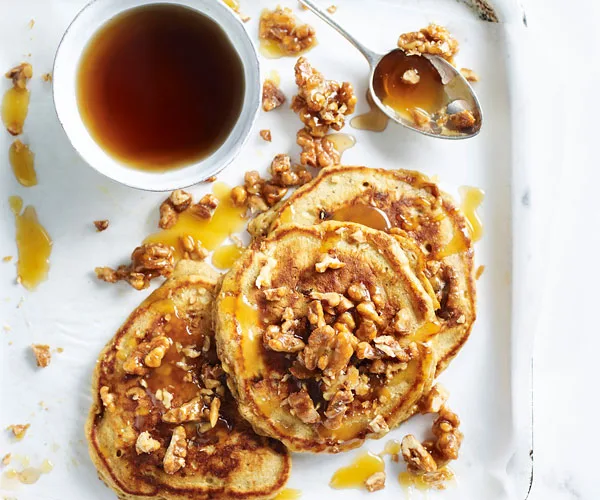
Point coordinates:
[[434, 40], [47, 77], [205, 207], [332, 9], [435, 399], [469, 75], [280, 27], [417, 458], [213, 414], [263, 280], [146, 444], [326, 261], [191, 411], [18, 430], [20, 75], [379, 425], [239, 196], [321, 104], [463, 120], [176, 452], [101, 225], [303, 407], [42, 354], [420, 117], [327, 350], [158, 347], [272, 96], [375, 482], [411, 77], [177, 202], [108, 399], [282, 173], [266, 135], [317, 151], [147, 355], [449, 437], [192, 248], [276, 340]]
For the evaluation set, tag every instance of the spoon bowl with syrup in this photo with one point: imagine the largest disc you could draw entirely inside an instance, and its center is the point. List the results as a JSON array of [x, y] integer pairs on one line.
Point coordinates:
[[424, 93]]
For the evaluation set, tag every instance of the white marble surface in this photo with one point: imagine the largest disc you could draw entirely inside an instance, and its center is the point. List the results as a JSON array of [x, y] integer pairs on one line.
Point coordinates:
[[565, 40]]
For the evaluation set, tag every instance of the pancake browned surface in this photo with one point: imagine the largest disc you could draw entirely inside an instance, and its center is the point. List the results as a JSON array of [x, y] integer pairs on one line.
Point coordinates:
[[396, 200], [315, 329], [163, 424]]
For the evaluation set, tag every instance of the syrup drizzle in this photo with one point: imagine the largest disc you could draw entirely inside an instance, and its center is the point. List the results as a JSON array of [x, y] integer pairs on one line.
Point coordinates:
[[374, 120], [355, 474], [21, 159]]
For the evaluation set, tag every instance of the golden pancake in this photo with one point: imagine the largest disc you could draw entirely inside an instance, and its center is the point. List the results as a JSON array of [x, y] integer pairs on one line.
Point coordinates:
[[398, 201], [315, 328], [163, 424]]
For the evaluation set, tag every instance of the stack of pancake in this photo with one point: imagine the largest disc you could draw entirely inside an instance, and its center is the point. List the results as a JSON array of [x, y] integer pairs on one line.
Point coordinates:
[[355, 293]]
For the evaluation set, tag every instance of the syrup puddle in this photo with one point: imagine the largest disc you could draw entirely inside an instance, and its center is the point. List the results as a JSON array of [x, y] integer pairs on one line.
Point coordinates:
[[355, 474], [21, 160], [363, 214], [225, 256], [34, 245], [15, 106], [374, 120], [29, 475]]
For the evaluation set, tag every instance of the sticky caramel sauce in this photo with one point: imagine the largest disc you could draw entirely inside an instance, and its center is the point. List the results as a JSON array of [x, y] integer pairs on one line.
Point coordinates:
[[374, 120], [412, 481], [391, 448], [288, 494], [342, 142], [21, 159], [225, 256], [33, 245], [363, 214], [472, 198], [15, 106], [226, 220], [355, 474], [160, 87], [428, 94]]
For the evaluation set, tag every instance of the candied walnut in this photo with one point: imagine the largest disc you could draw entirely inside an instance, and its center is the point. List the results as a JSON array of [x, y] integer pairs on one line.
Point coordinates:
[[205, 207], [239, 196], [176, 452], [328, 351], [379, 425], [303, 407], [193, 248], [336, 408], [332, 9], [282, 173], [257, 204], [358, 292], [281, 27], [253, 182], [19, 430], [449, 437], [20, 75], [213, 415], [266, 135], [347, 319], [375, 482], [47, 77], [463, 120], [435, 399], [263, 280], [158, 347], [402, 321], [191, 411], [420, 117], [326, 261], [316, 316], [321, 104], [332, 299], [272, 96], [317, 151], [146, 444], [274, 294], [178, 201], [42, 354], [469, 75], [147, 355], [367, 330], [272, 193], [417, 458], [411, 77], [364, 350], [434, 39], [108, 399], [278, 341], [390, 347], [366, 309], [101, 225]]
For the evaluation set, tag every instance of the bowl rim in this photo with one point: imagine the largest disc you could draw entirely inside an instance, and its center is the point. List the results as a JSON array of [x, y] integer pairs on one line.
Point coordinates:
[[195, 172]]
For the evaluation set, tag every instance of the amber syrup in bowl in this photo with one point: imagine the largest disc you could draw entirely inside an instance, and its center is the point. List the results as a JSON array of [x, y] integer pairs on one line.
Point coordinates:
[[157, 95]]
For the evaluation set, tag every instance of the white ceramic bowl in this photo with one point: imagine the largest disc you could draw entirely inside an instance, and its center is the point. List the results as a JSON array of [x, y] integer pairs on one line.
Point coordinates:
[[66, 63]]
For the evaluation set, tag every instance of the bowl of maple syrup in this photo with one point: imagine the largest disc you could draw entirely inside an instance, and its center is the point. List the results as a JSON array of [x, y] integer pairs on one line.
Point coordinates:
[[157, 95]]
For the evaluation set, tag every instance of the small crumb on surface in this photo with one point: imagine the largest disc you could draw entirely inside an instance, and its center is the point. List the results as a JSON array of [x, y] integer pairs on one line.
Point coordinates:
[[375, 482], [31, 23], [266, 135], [212, 178], [469, 75], [42, 354], [18, 430], [411, 77], [6, 459], [101, 225], [332, 9], [47, 77]]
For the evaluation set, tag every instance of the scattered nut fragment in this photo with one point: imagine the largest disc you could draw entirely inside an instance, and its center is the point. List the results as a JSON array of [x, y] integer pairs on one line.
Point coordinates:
[[191, 411], [192, 248], [239, 196], [213, 416], [449, 438], [272, 96], [177, 202], [433, 39], [469, 75], [42, 354], [205, 207], [101, 225], [6, 459], [20, 75], [420, 117], [375, 482], [463, 120], [47, 77], [332, 9], [146, 444], [263, 280], [281, 27], [176, 452], [417, 458], [326, 261], [317, 151], [321, 104], [411, 77], [108, 399], [266, 135], [165, 397], [303, 407], [19, 430], [402, 323], [435, 399]]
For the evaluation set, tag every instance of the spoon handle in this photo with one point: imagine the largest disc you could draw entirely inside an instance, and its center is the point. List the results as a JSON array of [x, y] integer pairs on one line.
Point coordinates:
[[370, 56]]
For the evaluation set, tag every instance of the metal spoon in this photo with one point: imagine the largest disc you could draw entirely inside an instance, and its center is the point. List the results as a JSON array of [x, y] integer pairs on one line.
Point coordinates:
[[460, 94]]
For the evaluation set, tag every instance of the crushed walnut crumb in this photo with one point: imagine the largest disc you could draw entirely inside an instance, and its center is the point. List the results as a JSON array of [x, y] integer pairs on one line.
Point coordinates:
[[272, 96], [434, 40], [375, 482], [411, 77], [146, 444], [463, 120], [18, 430], [469, 75], [281, 27], [266, 135], [6, 459], [177, 202], [176, 452], [321, 104], [101, 225], [332, 9], [42, 354], [47, 77], [327, 261], [20, 75]]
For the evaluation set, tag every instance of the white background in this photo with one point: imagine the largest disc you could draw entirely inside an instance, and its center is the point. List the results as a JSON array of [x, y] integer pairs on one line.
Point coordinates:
[[565, 42]]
